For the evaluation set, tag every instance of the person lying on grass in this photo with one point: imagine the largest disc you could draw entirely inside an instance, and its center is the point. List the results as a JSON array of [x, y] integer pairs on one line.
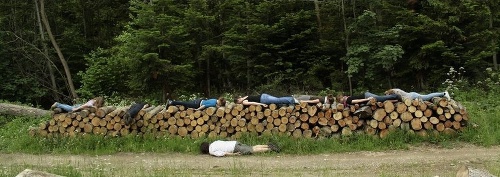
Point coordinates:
[[221, 148]]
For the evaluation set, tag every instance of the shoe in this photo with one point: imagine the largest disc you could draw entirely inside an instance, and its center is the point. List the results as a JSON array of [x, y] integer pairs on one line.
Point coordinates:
[[53, 106], [169, 102], [447, 95], [273, 147]]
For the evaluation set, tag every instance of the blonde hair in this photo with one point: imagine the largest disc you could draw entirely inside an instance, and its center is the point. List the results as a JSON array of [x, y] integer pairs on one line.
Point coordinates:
[[99, 102]]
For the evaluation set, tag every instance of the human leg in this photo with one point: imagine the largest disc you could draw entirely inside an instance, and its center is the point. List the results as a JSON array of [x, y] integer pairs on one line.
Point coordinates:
[[269, 99], [188, 104], [386, 97], [414, 95], [64, 107], [368, 95], [244, 149], [432, 95], [132, 112]]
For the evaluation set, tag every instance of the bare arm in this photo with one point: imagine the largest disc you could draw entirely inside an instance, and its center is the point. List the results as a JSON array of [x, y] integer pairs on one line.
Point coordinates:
[[248, 103], [310, 101], [201, 107], [360, 100]]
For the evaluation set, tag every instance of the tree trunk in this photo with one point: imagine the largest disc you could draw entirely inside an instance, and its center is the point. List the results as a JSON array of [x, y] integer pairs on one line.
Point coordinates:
[[318, 17], [16, 110], [495, 62], [46, 54], [346, 42], [58, 50]]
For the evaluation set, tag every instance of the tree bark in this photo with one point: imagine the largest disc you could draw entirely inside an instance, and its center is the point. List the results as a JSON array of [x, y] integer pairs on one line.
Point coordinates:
[[16, 110], [495, 62], [46, 54], [58, 50]]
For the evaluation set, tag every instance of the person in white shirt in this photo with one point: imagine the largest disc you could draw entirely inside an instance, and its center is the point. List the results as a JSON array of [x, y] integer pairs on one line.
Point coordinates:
[[221, 148]]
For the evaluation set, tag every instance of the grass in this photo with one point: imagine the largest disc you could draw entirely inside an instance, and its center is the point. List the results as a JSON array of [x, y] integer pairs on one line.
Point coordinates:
[[484, 113], [14, 138]]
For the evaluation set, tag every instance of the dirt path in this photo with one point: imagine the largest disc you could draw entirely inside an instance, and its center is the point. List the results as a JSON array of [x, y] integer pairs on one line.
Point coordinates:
[[418, 161]]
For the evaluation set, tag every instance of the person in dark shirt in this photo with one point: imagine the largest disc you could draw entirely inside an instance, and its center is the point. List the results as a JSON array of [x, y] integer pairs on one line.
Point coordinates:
[[363, 99], [264, 100], [199, 104]]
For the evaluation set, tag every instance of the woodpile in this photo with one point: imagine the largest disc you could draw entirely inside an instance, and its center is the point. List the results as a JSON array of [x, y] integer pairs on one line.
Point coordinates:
[[233, 120]]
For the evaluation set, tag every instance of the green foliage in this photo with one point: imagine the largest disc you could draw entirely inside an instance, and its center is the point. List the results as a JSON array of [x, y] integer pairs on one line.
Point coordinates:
[[164, 49]]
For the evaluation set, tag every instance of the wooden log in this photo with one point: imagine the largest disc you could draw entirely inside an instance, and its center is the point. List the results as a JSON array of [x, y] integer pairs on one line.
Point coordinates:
[[439, 127], [428, 125], [394, 115], [442, 102], [172, 109], [418, 113], [401, 107], [396, 122], [388, 106], [407, 101], [406, 116], [312, 110], [434, 120], [313, 120], [416, 124], [337, 116], [412, 109], [379, 114], [373, 123], [384, 133], [102, 111], [457, 117], [346, 131]]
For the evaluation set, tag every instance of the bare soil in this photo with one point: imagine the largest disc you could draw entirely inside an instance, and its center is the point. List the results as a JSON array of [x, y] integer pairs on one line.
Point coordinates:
[[417, 161]]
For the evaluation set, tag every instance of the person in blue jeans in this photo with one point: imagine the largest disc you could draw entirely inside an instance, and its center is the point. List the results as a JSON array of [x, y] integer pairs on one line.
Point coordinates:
[[199, 104], [264, 100], [95, 102], [364, 98], [415, 95]]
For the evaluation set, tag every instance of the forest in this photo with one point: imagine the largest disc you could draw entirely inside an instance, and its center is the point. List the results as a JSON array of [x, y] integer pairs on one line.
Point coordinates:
[[62, 50]]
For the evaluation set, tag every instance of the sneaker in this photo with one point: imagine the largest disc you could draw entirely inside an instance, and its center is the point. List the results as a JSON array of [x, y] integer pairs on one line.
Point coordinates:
[[169, 102], [447, 95], [273, 147], [53, 105]]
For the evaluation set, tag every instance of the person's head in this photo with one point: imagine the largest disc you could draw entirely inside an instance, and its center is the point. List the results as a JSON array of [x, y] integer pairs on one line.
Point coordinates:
[[221, 101], [389, 92], [204, 147], [340, 98], [330, 99], [238, 100], [99, 102]]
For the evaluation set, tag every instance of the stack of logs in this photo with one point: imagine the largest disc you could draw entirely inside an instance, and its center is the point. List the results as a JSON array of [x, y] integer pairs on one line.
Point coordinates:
[[301, 120]]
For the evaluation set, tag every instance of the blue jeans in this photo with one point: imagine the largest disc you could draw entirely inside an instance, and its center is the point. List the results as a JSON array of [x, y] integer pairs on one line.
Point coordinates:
[[381, 98], [427, 97], [268, 99], [65, 107]]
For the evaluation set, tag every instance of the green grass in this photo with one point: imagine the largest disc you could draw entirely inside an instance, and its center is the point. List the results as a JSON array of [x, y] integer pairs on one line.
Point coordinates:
[[483, 109], [484, 112]]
